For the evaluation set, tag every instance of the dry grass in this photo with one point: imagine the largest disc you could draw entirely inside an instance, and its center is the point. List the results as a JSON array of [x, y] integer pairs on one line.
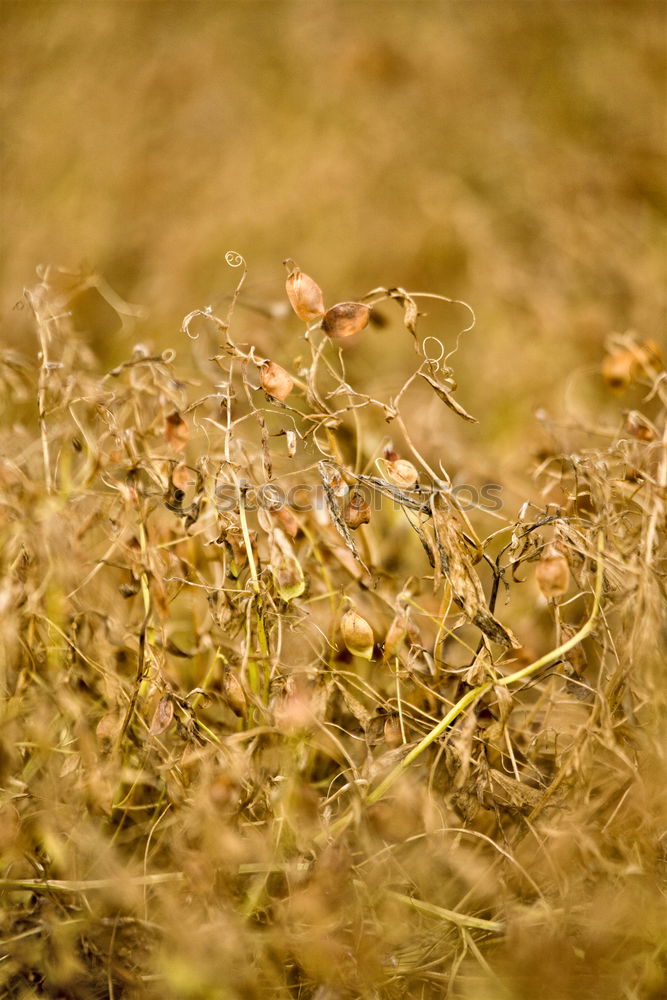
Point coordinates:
[[252, 750]]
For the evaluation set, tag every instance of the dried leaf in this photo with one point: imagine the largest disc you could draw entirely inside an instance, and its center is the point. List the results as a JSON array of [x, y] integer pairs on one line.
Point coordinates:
[[266, 452], [410, 311], [355, 708], [456, 564], [511, 794], [334, 509], [447, 398]]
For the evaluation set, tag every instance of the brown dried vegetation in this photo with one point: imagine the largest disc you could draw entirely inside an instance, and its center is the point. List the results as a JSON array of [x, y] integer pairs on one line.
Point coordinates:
[[246, 753]]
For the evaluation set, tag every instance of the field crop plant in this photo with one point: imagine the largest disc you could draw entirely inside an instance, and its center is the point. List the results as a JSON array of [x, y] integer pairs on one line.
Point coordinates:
[[260, 740]]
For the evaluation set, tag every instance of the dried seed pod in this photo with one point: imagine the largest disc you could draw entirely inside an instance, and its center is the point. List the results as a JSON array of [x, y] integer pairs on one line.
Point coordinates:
[[650, 356], [357, 511], [619, 369], [305, 295], [393, 736], [287, 520], [402, 473], [295, 711], [357, 634], [552, 573], [334, 481], [181, 476], [275, 381], [638, 427], [285, 568], [234, 694], [176, 431], [162, 716], [346, 319], [396, 634]]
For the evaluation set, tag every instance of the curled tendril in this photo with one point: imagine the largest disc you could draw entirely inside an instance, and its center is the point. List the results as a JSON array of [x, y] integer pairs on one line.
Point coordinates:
[[168, 355], [433, 361], [235, 259], [185, 325]]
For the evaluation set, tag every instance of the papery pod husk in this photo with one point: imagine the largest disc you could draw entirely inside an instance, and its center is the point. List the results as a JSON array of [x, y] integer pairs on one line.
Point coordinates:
[[402, 473], [275, 381], [552, 573], [357, 634], [176, 431], [287, 520], [396, 634], [304, 293], [357, 511], [638, 427], [234, 541], [620, 368], [234, 694], [345, 319], [393, 736], [162, 716], [285, 568], [650, 355]]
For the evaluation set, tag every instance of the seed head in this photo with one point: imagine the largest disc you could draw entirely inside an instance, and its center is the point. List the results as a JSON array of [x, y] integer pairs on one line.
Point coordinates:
[[346, 319], [305, 295], [357, 634], [275, 381], [357, 511], [552, 573]]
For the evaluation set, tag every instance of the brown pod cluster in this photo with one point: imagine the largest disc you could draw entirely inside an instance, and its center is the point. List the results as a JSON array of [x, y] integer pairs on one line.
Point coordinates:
[[305, 295], [275, 381], [357, 511], [346, 319], [552, 573]]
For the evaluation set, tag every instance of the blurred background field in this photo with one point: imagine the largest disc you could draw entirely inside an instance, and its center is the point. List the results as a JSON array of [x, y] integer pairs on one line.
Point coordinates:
[[510, 154]]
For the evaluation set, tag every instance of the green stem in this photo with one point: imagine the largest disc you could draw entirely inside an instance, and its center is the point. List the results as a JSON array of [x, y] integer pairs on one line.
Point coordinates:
[[471, 696]]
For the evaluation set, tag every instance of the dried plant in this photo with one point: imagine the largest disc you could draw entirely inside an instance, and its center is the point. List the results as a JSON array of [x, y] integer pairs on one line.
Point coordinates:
[[258, 741]]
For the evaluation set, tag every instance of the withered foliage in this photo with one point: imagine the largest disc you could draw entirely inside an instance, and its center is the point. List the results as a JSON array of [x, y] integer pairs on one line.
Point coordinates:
[[278, 721]]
